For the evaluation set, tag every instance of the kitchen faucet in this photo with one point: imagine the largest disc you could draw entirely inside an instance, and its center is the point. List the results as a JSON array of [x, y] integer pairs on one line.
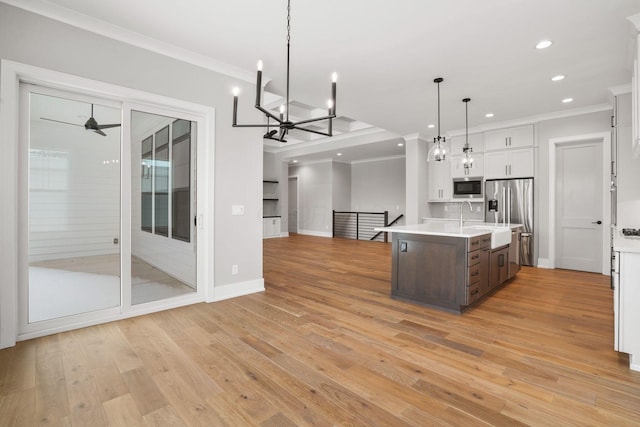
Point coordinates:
[[462, 209]]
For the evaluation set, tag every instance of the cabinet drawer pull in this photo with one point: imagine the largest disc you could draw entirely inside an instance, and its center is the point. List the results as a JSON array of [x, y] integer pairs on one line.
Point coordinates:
[[474, 243], [476, 256], [475, 273], [475, 291]]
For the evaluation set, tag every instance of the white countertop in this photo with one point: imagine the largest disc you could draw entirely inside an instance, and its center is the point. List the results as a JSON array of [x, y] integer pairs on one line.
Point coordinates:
[[447, 228], [626, 244]]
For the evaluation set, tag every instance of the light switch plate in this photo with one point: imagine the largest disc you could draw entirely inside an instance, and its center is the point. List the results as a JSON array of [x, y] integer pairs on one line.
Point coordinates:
[[237, 210]]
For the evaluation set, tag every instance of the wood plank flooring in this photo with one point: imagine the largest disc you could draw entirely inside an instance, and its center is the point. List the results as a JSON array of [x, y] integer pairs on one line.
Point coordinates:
[[324, 345]]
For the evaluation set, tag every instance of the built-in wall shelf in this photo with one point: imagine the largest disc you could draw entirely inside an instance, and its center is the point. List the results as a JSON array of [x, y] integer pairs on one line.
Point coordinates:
[[271, 207]]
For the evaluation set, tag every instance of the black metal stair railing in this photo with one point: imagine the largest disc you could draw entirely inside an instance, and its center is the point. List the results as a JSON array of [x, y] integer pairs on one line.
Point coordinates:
[[360, 225]]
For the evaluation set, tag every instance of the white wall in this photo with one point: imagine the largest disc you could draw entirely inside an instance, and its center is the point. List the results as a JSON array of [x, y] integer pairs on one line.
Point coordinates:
[[417, 186], [378, 186], [31, 39], [74, 210], [628, 168]]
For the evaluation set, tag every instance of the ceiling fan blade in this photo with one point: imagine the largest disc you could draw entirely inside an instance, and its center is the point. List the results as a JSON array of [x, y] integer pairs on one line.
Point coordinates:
[[59, 121], [99, 132], [113, 125]]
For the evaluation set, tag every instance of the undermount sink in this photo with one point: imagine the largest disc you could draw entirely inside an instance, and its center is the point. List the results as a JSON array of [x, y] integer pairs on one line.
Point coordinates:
[[500, 236]]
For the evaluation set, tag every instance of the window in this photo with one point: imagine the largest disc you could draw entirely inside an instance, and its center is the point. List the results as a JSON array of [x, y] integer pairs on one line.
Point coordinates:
[[166, 165], [146, 189], [161, 182], [181, 180]]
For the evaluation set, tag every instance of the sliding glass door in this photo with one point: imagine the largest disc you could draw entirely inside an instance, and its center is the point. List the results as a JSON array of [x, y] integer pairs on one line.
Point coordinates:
[[163, 206], [73, 206], [108, 202]]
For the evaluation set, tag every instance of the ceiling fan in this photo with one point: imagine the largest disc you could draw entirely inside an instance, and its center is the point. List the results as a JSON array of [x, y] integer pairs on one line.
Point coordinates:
[[90, 124]]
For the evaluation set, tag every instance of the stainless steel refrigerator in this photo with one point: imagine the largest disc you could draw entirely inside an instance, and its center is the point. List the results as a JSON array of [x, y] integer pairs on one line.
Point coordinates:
[[510, 201]]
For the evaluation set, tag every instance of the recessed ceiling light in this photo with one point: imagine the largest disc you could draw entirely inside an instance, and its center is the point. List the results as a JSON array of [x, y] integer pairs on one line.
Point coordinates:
[[567, 100], [431, 126], [295, 161], [543, 44], [488, 115], [339, 154], [400, 144], [557, 78]]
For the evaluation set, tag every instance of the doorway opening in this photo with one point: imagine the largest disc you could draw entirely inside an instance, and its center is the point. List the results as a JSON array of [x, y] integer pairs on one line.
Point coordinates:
[[293, 204]]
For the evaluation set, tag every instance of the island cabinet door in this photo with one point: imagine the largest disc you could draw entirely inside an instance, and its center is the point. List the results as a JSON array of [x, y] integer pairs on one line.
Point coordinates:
[[430, 269]]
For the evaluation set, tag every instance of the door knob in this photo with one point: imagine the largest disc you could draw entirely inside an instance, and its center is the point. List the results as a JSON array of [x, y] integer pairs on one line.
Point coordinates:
[[597, 222]]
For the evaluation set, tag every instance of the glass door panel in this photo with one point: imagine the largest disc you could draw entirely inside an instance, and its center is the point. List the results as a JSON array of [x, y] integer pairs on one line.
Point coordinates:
[[73, 208], [163, 206]]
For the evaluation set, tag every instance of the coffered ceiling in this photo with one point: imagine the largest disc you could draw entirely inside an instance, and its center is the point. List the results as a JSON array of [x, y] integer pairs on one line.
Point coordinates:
[[387, 53]]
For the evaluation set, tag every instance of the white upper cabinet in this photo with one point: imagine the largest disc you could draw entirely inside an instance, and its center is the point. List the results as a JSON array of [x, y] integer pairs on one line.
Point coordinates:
[[476, 142], [521, 136], [517, 163], [439, 181], [458, 170]]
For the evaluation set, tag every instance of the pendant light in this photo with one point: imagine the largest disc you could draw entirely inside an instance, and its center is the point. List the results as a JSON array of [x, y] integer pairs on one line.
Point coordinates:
[[467, 160], [438, 152], [281, 122]]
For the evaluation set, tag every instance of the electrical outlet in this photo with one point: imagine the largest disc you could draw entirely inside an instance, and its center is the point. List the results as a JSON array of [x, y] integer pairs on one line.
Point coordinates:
[[234, 269]]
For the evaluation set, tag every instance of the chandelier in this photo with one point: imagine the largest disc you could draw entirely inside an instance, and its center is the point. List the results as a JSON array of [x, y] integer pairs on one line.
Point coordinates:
[[278, 126], [467, 160], [438, 152]]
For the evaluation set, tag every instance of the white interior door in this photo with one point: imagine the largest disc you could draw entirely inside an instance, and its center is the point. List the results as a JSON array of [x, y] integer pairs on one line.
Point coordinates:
[[293, 205], [579, 206]]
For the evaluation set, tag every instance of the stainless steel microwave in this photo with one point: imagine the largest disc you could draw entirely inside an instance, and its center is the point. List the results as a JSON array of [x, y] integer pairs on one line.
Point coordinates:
[[467, 188]]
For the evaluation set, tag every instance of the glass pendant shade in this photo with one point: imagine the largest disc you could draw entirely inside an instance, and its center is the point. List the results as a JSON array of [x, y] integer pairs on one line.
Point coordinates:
[[438, 151], [467, 160]]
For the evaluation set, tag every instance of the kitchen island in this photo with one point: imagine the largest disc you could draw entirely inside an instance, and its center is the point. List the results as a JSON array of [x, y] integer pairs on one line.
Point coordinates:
[[445, 265]]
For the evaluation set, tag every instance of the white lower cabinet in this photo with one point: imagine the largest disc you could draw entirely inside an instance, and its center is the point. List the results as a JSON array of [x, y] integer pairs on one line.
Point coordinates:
[[270, 227], [626, 302], [516, 163]]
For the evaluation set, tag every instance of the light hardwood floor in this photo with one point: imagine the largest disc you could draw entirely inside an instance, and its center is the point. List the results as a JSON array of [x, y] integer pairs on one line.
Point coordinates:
[[325, 345]]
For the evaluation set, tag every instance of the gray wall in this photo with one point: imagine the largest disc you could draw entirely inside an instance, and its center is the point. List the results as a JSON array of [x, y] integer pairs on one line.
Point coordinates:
[[341, 183], [42, 42], [379, 186], [315, 187]]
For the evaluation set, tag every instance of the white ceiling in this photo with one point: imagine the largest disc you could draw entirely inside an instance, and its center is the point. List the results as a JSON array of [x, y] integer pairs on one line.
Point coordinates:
[[387, 53]]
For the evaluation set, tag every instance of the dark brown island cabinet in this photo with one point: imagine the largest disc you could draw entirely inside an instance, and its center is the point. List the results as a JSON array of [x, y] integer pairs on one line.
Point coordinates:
[[450, 273]]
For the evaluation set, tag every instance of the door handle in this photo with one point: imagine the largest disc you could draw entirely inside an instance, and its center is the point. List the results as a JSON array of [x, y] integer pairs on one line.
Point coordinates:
[[597, 222]]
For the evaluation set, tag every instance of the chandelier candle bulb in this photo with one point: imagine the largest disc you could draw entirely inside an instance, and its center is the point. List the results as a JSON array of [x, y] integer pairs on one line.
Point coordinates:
[[334, 79], [259, 83], [236, 91]]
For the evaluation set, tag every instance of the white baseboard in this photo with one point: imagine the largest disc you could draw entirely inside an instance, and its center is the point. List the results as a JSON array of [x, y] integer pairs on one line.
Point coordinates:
[[633, 365], [237, 289], [316, 233], [545, 263]]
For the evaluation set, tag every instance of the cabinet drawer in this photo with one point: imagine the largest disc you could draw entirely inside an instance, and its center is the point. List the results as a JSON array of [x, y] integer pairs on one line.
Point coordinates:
[[472, 294], [485, 241], [473, 274], [473, 258], [473, 243]]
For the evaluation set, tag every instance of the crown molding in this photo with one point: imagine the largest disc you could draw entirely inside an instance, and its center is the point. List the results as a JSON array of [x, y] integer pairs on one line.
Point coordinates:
[[635, 20], [534, 119], [97, 26], [620, 89], [378, 159]]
